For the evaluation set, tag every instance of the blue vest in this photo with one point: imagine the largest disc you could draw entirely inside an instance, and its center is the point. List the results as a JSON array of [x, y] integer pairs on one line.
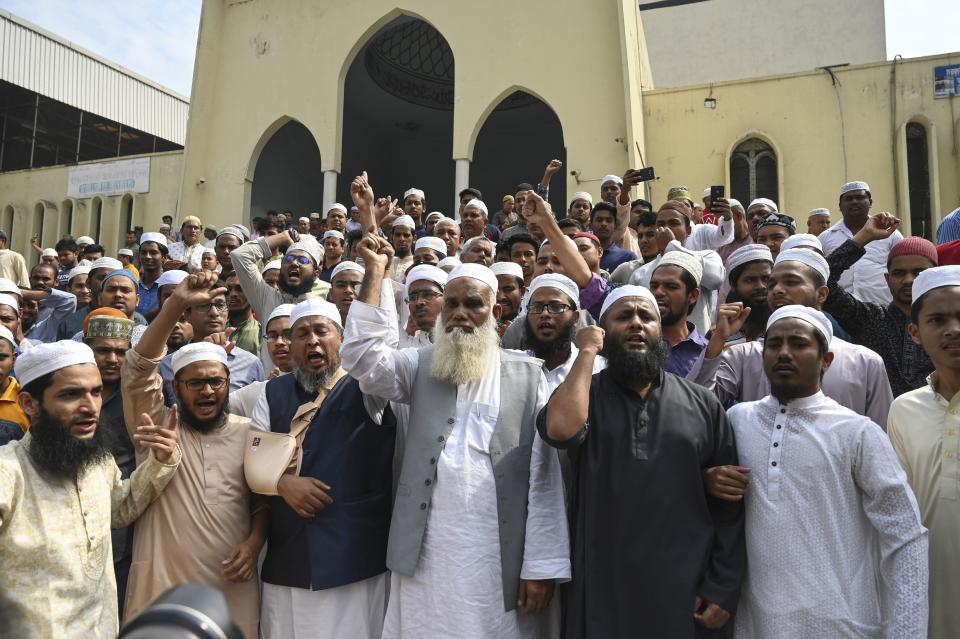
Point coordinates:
[[345, 542]]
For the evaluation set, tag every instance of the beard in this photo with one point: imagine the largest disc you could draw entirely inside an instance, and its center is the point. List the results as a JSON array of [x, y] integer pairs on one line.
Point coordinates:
[[59, 454], [760, 312], [314, 382], [635, 366], [190, 419], [460, 357], [305, 285], [558, 347]]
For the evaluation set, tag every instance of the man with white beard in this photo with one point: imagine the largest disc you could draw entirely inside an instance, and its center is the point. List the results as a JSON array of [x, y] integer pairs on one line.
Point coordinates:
[[478, 488]]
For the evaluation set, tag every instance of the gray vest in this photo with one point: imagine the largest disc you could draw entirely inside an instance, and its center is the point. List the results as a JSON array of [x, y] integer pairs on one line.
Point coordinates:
[[433, 413]]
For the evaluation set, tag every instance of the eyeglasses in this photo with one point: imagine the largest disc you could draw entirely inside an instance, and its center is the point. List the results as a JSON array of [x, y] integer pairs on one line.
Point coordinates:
[[426, 296], [273, 337], [205, 308], [302, 260], [198, 384], [553, 308]]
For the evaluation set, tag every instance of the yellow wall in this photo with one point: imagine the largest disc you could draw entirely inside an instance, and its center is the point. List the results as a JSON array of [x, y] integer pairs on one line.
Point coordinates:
[[36, 202], [260, 64], [798, 115]]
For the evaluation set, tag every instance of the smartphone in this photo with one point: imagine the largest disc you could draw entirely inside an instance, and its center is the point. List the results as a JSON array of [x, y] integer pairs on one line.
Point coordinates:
[[646, 174], [716, 192]]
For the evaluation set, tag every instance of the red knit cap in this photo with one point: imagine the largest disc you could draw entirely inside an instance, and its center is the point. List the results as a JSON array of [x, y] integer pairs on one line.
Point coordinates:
[[914, 245]]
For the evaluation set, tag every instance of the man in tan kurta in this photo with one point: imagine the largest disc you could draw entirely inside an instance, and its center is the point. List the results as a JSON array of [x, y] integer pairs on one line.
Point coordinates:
[[206, 516]]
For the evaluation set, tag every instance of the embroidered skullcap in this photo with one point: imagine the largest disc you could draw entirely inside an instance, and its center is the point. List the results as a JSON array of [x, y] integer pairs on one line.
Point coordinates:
[[7, 335], [272, 265], [85, 239], [477, 272], [808, 314], [198, 352], [235, 230], [125, 251], [687, 261], [477, 204], [334, 233], [103, 311], [679, 193], [451, 262], [413, 191], [914, 245], [107, 325], [431, 242], [11, 301], [45, 358], [171, 277], [779, 219], [581, 195], [9, 286], [811, 258], [432, 215], [628, 290], [120, 272], [158, 238], [818, 212], [49, 252], [346, 265], [507, 268], [854, 186], [611, 178], [802, 240], [336, 206], [282, 310], [427, 272], [315, 307], [747, 254], [404, 221], [553, 280], [926, 281], [111, 263], [77, 270], [765, 201], [309, 245]]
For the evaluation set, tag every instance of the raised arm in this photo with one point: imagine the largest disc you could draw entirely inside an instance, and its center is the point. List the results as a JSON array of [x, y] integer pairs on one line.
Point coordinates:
[[246, 262], [563, 422], [537, 211]]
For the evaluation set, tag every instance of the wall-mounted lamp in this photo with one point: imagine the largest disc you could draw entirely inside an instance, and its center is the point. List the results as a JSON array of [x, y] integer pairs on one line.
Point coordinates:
[[710, 103]]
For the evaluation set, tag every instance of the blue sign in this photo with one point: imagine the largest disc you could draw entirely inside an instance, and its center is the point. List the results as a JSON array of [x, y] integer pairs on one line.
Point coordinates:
[[946, 81]]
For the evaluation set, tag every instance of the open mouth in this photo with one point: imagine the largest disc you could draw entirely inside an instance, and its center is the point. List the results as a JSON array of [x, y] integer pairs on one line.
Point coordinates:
[[84, 426]]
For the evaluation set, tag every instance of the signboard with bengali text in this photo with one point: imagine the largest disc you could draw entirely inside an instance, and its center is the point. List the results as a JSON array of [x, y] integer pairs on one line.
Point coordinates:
[[109, 178]]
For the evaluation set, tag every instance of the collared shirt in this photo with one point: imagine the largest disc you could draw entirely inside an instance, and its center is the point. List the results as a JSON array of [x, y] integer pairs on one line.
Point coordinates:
[[834, 539], [881, 328], [865, 280], [52, 312], [248, 336], [613, 256], [949, 228], [685, 354], [10, 410], [924, 428], [149, 296], [55, 550]]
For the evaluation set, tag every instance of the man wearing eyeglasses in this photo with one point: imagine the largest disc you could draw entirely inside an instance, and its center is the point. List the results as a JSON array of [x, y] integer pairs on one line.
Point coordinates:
[[424, 299], [207, 528]]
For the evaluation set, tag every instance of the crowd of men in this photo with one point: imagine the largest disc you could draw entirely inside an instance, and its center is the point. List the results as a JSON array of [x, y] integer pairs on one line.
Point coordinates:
[[606, 420]]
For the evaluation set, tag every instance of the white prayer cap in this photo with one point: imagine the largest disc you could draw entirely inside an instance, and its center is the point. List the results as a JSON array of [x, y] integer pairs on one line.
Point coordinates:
[[9, 286], [473, 240], [85, 239], [552, 280], [125, 251], [198, 352], [734, 202], [611, 178], [706, 192], [811, 258], [763, 200], [427, 272], [49, 252], [432, 215], [413, 191], [11, 301], [808, 314], [77, 270], [445, 221], [84, 263], [477, 204], [404, 221], [477, 272], [151, 236], [208, 249], [687, 261], [315, 216], [451, 262], [431, 242], [507, 268], [628, 290], [315, 307], [44, 358], [816, 212], [111, 263], [581, 195], [854, 186], [802, 240], [282, 310], [748, 253], [346, 265], [308, 245], [928, 280], [336, 206], [272, 265], [171, 277], [336, 234], [7, 335], [304, 219]]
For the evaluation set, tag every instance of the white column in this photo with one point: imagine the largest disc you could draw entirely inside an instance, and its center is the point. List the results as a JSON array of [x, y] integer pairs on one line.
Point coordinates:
[[461, 181], [329, 190]]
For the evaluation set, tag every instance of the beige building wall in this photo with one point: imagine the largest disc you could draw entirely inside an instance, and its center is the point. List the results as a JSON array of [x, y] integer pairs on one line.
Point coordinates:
[[724, 40], [35, 202], [260, 64], [817, 149]]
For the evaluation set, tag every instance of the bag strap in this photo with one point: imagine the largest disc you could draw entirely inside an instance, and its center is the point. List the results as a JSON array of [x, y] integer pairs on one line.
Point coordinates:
[[305, 413]]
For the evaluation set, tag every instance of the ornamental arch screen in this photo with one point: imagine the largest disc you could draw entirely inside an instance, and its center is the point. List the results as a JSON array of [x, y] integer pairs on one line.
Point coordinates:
[[753, 171]]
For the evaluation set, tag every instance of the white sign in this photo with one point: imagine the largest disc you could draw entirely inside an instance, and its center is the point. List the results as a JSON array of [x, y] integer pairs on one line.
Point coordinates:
[[109, 178]]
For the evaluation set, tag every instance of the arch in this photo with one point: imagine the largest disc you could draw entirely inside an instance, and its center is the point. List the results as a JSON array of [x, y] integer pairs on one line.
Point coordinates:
[[493, 105], [127, 206], [36, 232], [6, 222], [96, 218], [918, 175], [529, 127], [65, 226], [772, 185], [286, 171]]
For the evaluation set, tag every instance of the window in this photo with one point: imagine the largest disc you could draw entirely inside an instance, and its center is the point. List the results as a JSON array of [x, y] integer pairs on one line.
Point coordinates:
[[753, 171], [918, 179]]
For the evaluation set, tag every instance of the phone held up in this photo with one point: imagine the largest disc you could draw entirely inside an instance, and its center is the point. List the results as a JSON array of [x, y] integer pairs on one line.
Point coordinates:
[[716, 192]]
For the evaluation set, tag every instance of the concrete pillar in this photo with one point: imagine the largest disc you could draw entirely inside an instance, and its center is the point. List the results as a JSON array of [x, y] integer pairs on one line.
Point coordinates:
[[461, 181], [329, 190]]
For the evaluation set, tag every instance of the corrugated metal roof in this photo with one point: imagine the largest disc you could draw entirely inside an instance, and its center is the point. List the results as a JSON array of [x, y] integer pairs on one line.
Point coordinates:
[[40, 61]]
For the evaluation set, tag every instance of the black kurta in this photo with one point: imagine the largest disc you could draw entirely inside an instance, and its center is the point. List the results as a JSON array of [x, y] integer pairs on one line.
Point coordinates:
[[646, 538]]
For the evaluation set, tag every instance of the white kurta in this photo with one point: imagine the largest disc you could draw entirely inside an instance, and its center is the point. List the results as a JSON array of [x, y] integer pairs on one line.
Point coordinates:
[[457, 590], [924, 428], [556, 376], [710, 237], [865, 279], [835, 547]]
